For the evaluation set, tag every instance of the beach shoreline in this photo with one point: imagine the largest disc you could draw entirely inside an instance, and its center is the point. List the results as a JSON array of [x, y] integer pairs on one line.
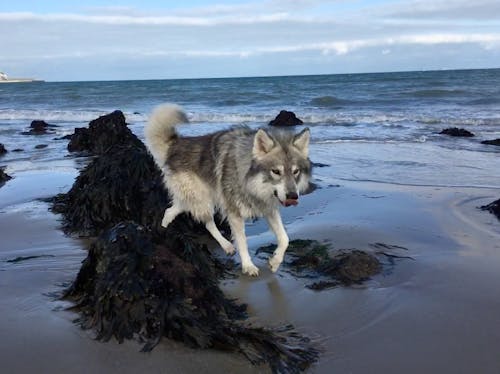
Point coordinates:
[[436, 311]]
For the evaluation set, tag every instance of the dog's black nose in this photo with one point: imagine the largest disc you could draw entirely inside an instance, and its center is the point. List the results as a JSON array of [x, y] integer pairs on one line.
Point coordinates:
[[292, 196]]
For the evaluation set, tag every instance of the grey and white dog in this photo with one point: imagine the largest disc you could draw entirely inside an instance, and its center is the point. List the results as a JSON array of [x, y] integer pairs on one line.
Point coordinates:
[[239, 172]]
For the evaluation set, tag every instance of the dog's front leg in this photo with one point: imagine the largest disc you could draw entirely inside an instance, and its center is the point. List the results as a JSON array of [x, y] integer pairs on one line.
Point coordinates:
[[238, 229], [275, 223], [170, 214], [223, 242]]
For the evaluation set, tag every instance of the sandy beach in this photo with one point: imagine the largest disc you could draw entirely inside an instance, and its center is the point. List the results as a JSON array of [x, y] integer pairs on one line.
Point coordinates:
[[435, 312]]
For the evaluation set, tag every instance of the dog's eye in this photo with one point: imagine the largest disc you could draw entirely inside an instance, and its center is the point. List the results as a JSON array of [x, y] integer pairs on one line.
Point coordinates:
[[276, 171], [296, 172]]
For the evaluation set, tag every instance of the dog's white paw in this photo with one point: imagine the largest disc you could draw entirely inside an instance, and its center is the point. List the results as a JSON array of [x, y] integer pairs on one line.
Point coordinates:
[[165, 221], [229, 249], [250, 269], [274, 263]]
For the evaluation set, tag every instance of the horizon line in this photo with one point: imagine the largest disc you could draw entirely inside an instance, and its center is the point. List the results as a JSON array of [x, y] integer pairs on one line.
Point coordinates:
[[264, 76]]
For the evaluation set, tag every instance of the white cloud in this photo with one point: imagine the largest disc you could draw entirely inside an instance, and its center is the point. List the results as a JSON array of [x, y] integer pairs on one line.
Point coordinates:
[[274, 32], [445, 9], [127, 20]]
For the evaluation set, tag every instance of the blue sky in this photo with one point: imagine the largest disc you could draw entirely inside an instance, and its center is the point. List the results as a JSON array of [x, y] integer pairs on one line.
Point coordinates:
[[131, 39]]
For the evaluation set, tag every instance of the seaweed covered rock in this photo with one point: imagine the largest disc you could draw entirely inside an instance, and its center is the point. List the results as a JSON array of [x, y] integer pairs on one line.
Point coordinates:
[[4, 177], [493, 208], [286, 118], [39, 127], [129, 286], [491, 142], [455, 131], [102, 133], [123, 184], [311, 259], [2, 149]]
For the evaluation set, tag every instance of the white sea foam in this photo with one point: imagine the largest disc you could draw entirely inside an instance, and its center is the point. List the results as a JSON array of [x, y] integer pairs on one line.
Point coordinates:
[[62, 115], [259, 117]]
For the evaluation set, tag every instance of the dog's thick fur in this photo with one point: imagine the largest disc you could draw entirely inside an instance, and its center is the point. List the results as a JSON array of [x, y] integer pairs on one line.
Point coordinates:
[[239, 172]]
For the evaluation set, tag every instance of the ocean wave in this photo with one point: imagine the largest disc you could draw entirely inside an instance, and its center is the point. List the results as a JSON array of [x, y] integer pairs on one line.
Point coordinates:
[[329, 101], [235, 118], [456, 121], [441, 93], [430, 120], [335, 119], [485, 101], [62, 115], [259, 117]]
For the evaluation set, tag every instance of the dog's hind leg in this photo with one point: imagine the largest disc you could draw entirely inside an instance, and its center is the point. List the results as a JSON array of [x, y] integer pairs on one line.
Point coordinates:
[[170, 214], [274, 221], [223, 242], [238, 229]]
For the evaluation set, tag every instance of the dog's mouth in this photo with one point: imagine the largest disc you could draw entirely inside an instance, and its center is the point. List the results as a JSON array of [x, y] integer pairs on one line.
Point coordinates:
[[287, 202]]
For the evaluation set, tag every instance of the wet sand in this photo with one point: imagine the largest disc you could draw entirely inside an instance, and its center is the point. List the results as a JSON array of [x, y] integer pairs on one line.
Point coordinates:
[[435, 313]]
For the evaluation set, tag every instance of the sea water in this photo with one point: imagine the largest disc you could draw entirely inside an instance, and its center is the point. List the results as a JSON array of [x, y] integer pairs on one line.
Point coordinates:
[[381, 127]]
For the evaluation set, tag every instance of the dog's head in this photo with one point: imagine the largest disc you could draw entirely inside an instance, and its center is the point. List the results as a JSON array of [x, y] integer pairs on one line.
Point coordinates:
[[281, 161]]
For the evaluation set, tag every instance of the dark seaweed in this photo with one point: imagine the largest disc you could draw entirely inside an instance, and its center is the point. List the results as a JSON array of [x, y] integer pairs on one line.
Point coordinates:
[[129, 286], [493, 208], [103, 133], [312, 259]]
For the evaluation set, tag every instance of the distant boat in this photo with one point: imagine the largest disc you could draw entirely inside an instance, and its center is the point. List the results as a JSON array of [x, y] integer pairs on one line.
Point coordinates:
[[5, 79]]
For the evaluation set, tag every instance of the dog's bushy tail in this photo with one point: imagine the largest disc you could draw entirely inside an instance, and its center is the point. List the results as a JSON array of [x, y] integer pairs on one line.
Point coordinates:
[[160, 130]]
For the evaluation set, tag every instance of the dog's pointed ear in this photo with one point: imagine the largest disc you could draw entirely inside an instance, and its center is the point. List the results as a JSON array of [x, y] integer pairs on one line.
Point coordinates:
[[301, 141], [262, 144]]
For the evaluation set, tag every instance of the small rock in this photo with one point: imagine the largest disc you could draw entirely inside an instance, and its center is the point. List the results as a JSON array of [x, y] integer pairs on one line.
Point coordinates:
[[39, 127], [286, 118], [4, 177], [2, 149], [41, 146], [455, 131], [18, 150], [491, 142]]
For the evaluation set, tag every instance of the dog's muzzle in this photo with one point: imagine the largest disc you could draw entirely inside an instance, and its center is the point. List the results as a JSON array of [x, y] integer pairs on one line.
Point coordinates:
[[291, 199]]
